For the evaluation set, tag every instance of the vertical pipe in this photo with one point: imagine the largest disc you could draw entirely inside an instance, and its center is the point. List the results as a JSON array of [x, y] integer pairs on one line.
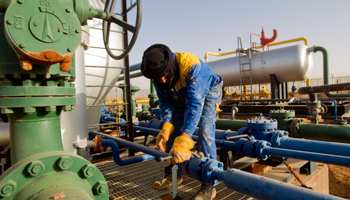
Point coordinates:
[[40, 130], [71, 133], [130, 132], [326, 71]]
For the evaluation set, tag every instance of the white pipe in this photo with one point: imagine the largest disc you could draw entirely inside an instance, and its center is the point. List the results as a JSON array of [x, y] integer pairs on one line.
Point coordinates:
[[74, 124]]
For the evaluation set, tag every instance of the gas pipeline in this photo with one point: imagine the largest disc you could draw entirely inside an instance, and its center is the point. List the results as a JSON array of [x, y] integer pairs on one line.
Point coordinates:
[[211, 171]]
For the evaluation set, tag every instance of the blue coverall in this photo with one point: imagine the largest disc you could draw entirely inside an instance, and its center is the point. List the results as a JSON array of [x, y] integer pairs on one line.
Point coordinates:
[[193, 101]]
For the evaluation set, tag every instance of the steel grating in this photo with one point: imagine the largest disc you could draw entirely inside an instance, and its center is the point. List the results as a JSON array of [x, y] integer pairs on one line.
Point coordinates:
[[134, 182]]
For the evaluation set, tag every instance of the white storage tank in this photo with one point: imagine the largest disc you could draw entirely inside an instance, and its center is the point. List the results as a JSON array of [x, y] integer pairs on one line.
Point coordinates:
[[292, 63]]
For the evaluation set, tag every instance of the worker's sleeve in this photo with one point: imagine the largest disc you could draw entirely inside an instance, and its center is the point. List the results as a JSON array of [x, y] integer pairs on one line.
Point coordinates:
[[194, 100], [166, 104]]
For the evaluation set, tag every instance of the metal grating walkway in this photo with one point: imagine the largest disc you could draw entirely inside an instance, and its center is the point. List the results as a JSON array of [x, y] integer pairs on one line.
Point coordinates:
[[135, 181]]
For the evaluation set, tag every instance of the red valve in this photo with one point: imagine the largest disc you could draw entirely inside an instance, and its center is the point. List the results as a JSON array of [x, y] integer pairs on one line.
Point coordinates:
[[264, 40]]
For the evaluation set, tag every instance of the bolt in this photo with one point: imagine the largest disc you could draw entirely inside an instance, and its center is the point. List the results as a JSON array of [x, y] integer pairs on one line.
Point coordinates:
[[211, 168], [77, 31], [20, 1], [32, 75], [88, 170], [22, 45], [8, 188], [16, 75], [9, 22], [29, 110], [220, 164], [68, 10], [65, 162], [47, 76], [58, 29], [100, 187], [35, 168], [69, 50], [35, 24]]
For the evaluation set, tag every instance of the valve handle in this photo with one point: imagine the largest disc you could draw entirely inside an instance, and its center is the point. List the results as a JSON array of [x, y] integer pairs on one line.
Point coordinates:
[[106, 26]]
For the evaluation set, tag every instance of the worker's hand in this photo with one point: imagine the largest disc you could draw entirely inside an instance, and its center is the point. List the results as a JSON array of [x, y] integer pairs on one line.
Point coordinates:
[[163, 136], [181, 149]]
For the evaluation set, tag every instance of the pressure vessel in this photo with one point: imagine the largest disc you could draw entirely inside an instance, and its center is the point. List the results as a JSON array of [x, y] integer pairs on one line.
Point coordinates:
[[100, 68], [292, 63]]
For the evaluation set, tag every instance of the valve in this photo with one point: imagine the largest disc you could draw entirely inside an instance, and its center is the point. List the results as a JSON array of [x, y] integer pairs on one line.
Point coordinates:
[[266, 41]]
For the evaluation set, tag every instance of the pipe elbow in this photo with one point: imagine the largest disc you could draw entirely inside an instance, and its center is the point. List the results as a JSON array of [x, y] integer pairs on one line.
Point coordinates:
[[265, 41]]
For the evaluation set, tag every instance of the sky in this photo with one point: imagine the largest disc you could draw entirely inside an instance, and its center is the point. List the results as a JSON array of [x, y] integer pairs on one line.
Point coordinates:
[[206, 25]]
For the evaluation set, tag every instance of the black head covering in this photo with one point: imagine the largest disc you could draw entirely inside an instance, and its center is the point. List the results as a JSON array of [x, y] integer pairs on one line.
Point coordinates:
[[157, 60]]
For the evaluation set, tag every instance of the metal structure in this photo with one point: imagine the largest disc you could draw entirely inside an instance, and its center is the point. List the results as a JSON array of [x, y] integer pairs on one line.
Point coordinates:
[[211, 171], [288, 63], [37, 72]]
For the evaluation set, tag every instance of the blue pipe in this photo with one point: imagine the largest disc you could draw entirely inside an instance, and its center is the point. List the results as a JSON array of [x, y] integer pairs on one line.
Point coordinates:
[[154, 152], [265, 188], [249, 184], [318, 157], [332, 148], [127, 161]]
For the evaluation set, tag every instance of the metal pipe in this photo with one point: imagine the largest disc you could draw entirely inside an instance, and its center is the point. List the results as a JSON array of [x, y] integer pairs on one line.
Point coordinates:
[[328, 132], [259, 47], [249, 184], [318, 157], [131, 145], [127, 161], [331, 148], [264, 188], [326, 71], [4, 135]]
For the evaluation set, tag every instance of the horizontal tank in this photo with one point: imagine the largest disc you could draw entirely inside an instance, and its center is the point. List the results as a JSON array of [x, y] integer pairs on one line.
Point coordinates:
[[292, 63]]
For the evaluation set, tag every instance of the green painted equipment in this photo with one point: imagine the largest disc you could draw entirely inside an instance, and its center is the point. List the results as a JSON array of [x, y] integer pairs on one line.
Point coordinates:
[[37, 43]]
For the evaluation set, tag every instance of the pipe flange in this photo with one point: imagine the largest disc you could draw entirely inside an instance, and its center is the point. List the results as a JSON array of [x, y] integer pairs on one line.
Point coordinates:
[[208, 169], [282, 113], [262, 124]]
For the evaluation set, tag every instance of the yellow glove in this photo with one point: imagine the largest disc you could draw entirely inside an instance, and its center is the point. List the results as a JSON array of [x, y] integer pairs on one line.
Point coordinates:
[[181, 149], [163, 136]]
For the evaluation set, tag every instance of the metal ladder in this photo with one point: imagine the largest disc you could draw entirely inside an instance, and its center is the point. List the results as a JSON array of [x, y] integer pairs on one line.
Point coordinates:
[[244, 66]]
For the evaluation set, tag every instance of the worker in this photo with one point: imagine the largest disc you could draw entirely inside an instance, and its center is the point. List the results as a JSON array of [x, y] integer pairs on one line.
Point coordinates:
[[189, 96]]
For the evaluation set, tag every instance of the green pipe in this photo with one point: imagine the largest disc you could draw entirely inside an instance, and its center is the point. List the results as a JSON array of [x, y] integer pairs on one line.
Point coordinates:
[[34, 133], [233, 125], [134, 75], [326, 71], [327, 132]]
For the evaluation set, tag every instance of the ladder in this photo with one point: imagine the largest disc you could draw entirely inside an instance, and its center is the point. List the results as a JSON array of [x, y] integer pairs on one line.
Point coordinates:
[[245, 67]]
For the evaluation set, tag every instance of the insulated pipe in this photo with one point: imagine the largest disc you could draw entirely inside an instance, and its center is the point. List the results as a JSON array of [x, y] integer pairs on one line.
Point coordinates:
[[147, 150], [127, 161], [264, 188]]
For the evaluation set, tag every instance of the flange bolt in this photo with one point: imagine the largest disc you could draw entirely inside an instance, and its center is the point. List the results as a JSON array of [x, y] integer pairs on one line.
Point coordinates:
[[65, 162], [100, 187], [35, 168], [89, 170], [8, 188]]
